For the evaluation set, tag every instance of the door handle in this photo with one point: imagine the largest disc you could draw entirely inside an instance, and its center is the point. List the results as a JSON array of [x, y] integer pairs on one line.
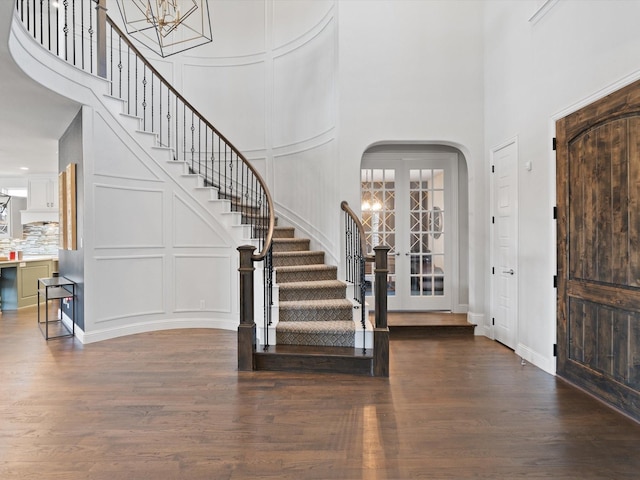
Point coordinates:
[[510, 271]]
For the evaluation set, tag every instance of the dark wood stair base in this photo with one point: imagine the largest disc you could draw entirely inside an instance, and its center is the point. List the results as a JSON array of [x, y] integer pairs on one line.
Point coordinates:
[[304, 358]]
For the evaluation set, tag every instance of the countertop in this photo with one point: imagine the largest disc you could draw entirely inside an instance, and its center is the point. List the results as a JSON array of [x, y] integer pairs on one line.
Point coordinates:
[[25, 259]]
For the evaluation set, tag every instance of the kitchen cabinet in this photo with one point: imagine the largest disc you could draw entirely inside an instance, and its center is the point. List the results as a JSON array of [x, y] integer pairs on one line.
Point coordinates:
[[42, 192], [19, 281]]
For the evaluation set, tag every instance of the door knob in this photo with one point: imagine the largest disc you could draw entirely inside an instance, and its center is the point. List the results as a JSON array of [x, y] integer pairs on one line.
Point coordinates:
[[510, 271]]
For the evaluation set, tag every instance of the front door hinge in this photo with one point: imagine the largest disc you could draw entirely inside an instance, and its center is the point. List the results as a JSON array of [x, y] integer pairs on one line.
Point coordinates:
[[555, 349], [493, 169], [493, 321], [555, 281], [493, 219], [555, 213], [493, 270], [554, 143]]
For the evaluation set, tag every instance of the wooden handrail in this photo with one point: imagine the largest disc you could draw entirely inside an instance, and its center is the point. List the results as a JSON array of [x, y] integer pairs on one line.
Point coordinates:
[[269, 236]]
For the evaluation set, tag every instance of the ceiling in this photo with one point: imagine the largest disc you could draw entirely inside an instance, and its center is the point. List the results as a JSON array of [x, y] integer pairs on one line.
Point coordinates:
[[32, 118]]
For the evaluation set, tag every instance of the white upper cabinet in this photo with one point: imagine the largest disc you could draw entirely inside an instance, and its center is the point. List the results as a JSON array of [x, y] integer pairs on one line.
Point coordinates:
[[43, 192]]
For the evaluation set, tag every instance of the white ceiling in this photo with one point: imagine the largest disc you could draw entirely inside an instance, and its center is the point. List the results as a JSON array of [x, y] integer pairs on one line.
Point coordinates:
[[32, 118]]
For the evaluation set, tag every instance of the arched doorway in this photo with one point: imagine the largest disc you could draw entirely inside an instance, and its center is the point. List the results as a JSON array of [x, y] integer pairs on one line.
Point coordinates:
[[414, 198]]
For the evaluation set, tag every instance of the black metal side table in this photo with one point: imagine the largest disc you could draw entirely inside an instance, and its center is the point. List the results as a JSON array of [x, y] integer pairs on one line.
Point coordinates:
[[56, 288]]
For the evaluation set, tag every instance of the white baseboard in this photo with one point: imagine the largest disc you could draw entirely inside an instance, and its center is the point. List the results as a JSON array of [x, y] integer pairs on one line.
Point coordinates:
[[477, 319], [544, 363], [153, 326]]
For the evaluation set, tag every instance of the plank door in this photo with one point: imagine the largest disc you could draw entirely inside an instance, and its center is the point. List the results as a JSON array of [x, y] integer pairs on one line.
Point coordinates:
[[598, 185]]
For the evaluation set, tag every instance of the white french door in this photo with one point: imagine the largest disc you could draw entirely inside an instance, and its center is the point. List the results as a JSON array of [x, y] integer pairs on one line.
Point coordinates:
[[409, 204]]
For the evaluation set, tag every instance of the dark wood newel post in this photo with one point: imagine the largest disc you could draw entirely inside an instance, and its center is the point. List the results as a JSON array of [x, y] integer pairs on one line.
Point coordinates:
[[247, 327], [381, 331], [101, 38]]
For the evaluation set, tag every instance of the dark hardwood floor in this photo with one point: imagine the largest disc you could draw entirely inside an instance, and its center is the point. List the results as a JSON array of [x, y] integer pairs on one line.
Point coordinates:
[[171, 405]]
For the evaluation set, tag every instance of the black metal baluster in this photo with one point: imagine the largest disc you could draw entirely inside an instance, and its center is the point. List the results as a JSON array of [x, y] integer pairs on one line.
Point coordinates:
[[193, 129], [111, 61], [57, 31], [184, 132], [91, 32], [41, 24], [206, 154], [219, 165], [128, 79], [49, 24], [152, 103], [144, 97], [119, 66], [136, 87], [177, 129], [82, 32], [199, 145], [168, 117], [160, 113], [73, 29], [66, 30]]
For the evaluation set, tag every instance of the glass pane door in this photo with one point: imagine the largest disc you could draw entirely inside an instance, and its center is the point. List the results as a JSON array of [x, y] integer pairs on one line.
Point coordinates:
[[406, 207], [427, 234], [379, 219]]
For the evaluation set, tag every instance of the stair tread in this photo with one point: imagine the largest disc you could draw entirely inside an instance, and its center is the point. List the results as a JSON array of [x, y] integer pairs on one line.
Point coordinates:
[[318, 327], [330, 303], [297, 253], [302, 268], [312, 285], [290, 240]]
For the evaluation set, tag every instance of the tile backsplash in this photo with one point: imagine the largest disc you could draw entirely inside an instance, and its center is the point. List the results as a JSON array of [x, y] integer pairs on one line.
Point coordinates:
[[37, 239]]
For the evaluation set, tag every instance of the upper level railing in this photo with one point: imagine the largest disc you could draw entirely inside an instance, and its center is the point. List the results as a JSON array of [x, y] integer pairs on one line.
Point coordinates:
[[80, 32]]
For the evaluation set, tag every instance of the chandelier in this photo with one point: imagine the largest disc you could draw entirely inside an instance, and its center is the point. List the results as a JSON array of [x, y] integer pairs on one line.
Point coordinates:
[[167, 26]]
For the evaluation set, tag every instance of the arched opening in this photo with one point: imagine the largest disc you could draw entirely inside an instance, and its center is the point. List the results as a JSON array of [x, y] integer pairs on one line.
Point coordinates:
[[414, 198]]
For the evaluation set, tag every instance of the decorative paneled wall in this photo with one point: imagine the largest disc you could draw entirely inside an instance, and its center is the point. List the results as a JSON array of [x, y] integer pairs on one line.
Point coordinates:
[[270, 86]]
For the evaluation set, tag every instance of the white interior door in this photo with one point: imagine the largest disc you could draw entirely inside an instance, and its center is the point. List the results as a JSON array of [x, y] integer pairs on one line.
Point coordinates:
[[410, 205], [504, 243]]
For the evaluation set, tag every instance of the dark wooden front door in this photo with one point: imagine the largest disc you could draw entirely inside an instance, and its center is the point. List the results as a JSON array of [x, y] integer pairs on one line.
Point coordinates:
[[598, 184]]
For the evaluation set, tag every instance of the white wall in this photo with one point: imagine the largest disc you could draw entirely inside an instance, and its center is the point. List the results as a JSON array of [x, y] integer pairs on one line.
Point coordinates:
[[536, 71], [412, 72]]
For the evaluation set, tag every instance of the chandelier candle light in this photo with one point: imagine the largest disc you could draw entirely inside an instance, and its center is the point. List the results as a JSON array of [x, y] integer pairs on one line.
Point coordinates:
[[167, 26]]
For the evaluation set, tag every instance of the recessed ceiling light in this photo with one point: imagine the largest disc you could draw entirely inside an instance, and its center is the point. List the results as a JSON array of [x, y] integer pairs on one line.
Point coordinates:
[[24, 168], [55, 4]]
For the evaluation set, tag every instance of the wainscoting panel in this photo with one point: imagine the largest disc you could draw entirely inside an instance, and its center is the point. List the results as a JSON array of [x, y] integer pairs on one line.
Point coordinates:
[[304, 81], [121, 226], [200, 283], [128, 286], [293, 19], [240, 115], [113, 155], [190, 229], [307, 168]]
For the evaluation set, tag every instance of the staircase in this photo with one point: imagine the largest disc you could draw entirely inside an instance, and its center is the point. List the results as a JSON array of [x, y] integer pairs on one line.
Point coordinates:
[[315, 330]]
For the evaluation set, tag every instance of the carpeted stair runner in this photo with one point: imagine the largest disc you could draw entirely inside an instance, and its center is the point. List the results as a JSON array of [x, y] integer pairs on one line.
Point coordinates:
[[313, 309]]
